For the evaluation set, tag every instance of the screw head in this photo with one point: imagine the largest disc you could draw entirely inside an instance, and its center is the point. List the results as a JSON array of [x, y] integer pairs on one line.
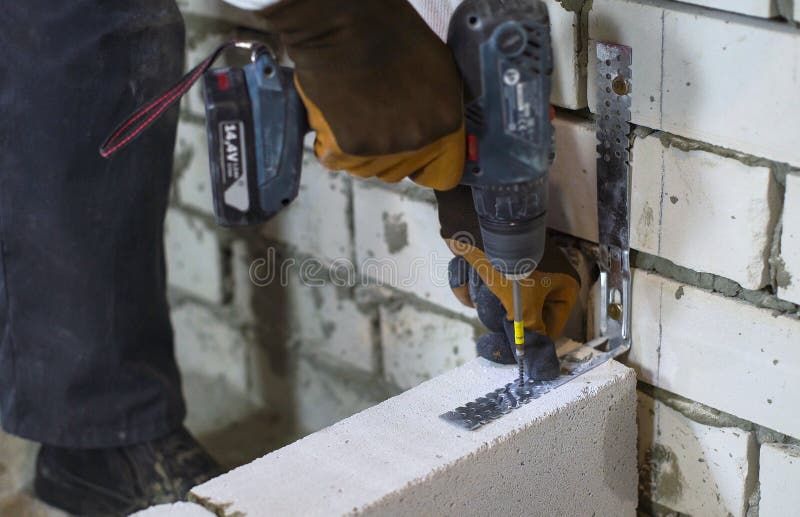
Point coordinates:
[[620, 85], [615, 311]]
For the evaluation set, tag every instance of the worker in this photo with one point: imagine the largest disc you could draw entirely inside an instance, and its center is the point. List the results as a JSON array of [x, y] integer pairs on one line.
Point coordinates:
[[87, 367]]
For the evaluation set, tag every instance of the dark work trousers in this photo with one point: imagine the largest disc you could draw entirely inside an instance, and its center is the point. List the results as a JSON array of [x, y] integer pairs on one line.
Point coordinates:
[[86, 352]]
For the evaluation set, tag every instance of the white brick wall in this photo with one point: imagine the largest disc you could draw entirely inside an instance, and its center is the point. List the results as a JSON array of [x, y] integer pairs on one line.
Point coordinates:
[[316, 223], [194, 260], [712, 76], [695, 208], [322, 398], [720, 351], [315, 316], [569, 84], [780, 479], [418, 345], [693, 468], [702, 211], [761, 8], [213, 357], [193, 185], [418, 258], [573, 179], [789, 284]]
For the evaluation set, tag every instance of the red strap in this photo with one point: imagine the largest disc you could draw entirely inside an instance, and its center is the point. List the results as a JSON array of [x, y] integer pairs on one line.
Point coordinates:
[[144, 117]]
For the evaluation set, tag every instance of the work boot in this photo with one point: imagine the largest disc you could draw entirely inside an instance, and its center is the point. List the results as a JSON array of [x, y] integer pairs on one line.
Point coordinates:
[[121, 480]]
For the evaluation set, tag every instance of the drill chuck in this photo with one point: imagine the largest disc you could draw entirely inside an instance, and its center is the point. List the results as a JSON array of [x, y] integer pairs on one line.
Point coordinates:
[[512, 220]]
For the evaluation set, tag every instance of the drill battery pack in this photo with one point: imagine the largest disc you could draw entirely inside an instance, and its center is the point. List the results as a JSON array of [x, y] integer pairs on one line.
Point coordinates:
[[255, 122]]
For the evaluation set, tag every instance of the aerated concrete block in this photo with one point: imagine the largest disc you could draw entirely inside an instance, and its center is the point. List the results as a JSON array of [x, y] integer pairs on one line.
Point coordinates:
[[699, 73], [720, 351], [174, 510], [693, 468], [780, 479], [570, 452]]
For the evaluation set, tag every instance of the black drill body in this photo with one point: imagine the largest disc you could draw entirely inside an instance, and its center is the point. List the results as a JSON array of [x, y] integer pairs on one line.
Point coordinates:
[[503, 51]]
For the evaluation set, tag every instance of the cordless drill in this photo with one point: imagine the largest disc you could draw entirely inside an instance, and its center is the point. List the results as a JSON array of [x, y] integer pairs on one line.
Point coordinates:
[[502, 48]]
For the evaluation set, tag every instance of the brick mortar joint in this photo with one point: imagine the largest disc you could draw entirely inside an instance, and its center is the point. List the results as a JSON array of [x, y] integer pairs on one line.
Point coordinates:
[[706, 415], [762, 299]]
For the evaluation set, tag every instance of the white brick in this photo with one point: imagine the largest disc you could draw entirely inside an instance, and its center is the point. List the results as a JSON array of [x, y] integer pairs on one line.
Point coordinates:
[[323, 396], [789, 278], [760, 8], [573, 179], [418, 345], [698, 73], [398, 244], [193, 183], [780, 478], [693, 468], [569, 84], [702, 211], [317, 223], [325, 319], [314, 315], [213, 358], [16, 463], [194, 260], [719, 351], [399, 458]]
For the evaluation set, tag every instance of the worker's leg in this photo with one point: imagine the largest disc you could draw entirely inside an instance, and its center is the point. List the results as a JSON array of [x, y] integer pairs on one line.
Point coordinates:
[[86, 357]]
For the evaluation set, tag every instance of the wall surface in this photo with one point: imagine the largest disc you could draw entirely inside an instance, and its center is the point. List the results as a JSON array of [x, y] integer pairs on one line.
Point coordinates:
[[274, 344]]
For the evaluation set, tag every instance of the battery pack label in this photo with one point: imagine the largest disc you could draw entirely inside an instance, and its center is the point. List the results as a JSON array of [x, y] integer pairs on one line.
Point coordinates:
[[521, 102], [233, 164]]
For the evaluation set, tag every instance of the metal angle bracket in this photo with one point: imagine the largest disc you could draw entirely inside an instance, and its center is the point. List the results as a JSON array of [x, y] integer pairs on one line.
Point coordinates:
[[613, 327], [614, 86]]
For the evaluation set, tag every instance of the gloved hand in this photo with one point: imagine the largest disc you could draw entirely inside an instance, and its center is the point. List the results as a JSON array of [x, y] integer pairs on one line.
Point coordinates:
[[548, 297], [382, 91]]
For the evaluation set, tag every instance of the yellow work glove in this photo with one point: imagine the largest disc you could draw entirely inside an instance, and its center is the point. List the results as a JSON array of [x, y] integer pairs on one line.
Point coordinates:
[[382, 91], [548, 294]]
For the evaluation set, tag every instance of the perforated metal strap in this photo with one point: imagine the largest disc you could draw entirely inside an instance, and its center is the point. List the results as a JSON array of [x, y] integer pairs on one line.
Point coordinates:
[[505, 399], [614, 86]]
